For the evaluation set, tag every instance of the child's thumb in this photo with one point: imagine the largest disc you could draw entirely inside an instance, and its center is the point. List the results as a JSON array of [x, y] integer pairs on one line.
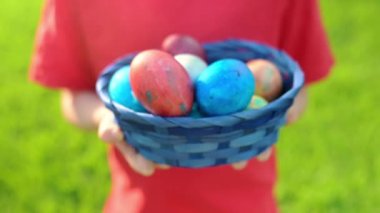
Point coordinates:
[[108, 130]]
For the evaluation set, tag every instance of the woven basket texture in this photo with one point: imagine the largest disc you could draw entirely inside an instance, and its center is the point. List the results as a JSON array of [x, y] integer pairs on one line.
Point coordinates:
[[209, 141]]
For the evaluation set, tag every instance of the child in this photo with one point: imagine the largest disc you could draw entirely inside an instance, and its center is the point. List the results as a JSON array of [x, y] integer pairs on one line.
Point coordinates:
[[78, 38]]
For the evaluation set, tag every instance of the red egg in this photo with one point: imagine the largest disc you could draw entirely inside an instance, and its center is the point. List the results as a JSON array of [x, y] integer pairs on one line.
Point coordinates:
[[178, 44], [161, 84], [268, 78]]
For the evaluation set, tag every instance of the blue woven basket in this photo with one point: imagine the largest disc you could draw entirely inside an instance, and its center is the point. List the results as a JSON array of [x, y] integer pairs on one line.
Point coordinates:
[[204, 142]]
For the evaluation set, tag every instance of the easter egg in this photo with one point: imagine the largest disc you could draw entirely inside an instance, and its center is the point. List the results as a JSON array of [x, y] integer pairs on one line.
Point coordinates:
[[192, 64], [257, 102], [176, 44], [268, 78], [195, 113], [161, 84], [120, 90], [225, 87]]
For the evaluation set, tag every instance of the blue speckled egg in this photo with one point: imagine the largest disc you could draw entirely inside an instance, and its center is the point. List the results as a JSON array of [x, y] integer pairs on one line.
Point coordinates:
[[120, 90], [225, 87]]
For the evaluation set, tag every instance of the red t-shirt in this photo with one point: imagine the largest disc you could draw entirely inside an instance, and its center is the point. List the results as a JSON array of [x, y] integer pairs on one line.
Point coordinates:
[[78, 38]]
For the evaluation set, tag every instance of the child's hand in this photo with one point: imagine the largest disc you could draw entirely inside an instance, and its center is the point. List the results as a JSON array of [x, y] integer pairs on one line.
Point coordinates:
[[264, 156], [109, 132], [298, 107], [85, 110], [293, 114]]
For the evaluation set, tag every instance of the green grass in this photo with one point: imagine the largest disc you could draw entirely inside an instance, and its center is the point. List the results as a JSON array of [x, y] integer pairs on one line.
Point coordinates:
[[327, 162], [45, 164]]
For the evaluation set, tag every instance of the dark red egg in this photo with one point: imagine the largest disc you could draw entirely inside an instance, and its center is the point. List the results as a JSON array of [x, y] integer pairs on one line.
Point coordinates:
[[161, 84], [179, 44]]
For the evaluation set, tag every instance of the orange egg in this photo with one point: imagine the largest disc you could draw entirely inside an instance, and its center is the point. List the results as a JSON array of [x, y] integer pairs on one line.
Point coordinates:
[[268, 78]]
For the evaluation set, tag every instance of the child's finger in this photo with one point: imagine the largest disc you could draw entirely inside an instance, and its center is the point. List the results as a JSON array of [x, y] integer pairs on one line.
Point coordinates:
[[137, 162], [162, 166], [298, 107], [264, 156], [239, 165], [108, 130], [292, 115], [141, 165]]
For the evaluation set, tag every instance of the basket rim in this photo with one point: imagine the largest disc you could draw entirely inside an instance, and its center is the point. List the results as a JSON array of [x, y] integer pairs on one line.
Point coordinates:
[[191, 122]]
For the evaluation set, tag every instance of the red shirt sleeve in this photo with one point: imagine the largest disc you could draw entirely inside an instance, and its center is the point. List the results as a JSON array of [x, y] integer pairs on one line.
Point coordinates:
[[59, 59], [304, 38]]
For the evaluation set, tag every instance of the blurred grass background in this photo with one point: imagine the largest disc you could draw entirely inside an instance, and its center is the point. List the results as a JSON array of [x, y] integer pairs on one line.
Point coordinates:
[[328, 162]]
